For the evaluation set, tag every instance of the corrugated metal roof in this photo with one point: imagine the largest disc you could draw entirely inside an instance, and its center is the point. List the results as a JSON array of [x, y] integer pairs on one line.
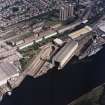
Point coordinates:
[[80, 32], [7, 71], [64, 51]]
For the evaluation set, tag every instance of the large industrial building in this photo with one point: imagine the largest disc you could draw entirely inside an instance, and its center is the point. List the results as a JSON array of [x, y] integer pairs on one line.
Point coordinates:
[[80, 32], [7, 71], [9, 54], [65, 54]]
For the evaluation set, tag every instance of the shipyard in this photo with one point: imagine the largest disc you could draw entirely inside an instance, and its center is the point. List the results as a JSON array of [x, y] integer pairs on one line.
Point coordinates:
[[39, 35]]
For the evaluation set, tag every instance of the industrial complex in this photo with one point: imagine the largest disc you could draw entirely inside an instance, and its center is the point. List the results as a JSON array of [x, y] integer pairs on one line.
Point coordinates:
[[8, 71], [37, 35]]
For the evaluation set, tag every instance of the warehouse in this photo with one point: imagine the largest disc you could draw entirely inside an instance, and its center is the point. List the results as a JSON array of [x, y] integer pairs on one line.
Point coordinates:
[[65, 54], [58, 42], [7, 71], [80, 32]]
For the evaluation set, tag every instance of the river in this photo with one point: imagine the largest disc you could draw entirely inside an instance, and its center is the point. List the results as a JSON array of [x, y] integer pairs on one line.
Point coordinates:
[[60, 87]]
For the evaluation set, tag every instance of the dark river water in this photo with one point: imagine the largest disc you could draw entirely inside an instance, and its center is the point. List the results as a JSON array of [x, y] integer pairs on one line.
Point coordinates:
[[60, 87]]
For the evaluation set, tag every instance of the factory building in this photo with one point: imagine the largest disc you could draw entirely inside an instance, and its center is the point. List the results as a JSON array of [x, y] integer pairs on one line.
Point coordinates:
[[80, 32], [7, 71], [65, 54], [66, 11]]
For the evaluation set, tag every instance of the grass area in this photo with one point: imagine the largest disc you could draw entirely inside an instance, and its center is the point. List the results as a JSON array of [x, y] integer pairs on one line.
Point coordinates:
[[28, 54], [26, 35], [45, 41], [52, 23], [92, 98]]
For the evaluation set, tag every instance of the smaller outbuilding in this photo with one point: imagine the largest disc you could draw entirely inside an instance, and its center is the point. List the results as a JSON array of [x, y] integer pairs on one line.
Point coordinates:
[[58, 42]]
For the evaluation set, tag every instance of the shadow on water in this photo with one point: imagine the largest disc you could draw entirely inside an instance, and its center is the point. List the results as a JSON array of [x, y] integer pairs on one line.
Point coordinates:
[[60, 87]]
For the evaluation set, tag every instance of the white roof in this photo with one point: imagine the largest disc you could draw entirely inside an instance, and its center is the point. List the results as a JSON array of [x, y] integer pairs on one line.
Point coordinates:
[[60, 56], [58, 41], [102, 27], [7, 71]]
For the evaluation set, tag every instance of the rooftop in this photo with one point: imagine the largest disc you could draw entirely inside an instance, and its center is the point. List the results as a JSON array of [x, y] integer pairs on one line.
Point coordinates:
[[7, 53], [65, 54], [7, 71], [80, 32], [65, 50]]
